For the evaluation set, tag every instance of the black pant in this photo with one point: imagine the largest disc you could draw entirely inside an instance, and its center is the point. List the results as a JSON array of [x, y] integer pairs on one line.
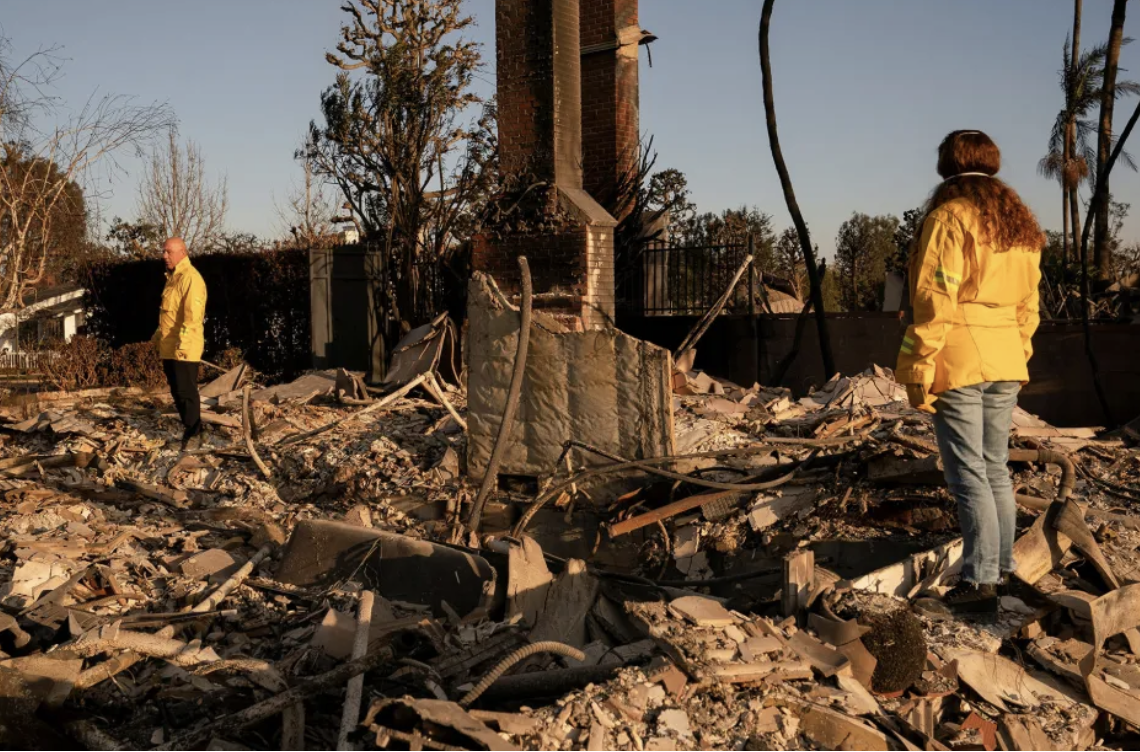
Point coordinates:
[[183, 379]]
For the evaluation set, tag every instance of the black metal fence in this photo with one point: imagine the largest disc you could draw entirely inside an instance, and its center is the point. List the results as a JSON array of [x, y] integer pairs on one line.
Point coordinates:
[[664, 280]]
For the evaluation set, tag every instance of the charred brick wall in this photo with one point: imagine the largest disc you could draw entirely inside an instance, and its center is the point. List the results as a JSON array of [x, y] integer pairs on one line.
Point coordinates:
[[610, 115], [562, 230]]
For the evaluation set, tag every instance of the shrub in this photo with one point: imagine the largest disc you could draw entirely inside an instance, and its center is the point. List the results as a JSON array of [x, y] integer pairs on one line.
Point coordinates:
[[136, 364], [87, 363], [73, 365]]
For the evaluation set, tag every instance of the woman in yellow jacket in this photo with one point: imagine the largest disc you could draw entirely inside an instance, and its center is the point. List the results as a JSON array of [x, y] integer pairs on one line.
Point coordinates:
[[974, 272]]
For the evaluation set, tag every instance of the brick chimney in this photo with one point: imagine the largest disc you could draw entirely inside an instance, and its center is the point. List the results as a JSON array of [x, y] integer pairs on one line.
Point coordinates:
[[565, 234], [610, 36]]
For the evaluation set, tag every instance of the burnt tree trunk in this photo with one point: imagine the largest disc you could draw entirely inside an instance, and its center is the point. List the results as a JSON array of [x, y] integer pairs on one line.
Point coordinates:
[[1102, 257], [1100, 197], [790, 195], [1071, 182]]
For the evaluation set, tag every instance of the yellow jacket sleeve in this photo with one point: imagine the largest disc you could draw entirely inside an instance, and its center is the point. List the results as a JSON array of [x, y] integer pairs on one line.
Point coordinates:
[[191, 333], [1029, 313], [937, 274]]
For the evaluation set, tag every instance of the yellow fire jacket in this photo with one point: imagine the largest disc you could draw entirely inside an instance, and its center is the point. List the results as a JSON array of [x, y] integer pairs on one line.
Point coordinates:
[[180, 335], [975, 310]]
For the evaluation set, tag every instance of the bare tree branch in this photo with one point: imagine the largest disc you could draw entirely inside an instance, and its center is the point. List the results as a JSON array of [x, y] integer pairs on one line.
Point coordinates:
[[177, 197], [44, 152]]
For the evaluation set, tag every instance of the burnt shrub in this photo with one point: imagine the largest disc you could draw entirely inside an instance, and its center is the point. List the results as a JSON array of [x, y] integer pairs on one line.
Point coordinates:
[[69, 366], [136, 364]]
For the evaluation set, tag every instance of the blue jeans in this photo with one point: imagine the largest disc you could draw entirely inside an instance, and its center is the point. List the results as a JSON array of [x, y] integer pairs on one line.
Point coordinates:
[[972, 424]]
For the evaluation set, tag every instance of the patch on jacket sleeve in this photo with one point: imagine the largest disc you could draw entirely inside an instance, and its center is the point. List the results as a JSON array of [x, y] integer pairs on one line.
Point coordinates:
[[946, 280]]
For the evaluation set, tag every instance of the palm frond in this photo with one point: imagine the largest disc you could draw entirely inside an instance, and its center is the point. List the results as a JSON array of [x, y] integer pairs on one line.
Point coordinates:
[[1127, 88], [1086, 131], [1124, 157], [1057, 134], [1088, 154]]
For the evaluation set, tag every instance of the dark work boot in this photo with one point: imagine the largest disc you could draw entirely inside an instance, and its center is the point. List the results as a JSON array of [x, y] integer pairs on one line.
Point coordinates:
[[970, 601]]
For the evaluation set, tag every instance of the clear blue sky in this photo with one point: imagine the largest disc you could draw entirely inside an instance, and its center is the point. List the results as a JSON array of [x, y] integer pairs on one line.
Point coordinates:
[[865, 89]]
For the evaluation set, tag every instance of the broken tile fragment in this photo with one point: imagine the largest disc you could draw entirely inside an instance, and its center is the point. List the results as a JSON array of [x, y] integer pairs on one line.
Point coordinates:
[[703, 612]]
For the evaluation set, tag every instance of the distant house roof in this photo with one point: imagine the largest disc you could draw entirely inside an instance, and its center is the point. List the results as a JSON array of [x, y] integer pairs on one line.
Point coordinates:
[[54, 300], [53, 291], [62, 308]]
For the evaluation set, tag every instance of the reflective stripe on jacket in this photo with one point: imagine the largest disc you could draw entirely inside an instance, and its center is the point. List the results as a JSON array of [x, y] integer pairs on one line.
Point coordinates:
[[975, 310], [180, 335]]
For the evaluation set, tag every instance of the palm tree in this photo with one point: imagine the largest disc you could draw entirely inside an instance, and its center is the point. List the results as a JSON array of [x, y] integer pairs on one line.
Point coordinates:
[[1104, 139], [1070, 139], [1071, 152]]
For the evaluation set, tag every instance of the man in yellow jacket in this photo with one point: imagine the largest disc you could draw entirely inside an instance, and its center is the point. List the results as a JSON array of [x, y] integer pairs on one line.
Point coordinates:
[[180, 337]]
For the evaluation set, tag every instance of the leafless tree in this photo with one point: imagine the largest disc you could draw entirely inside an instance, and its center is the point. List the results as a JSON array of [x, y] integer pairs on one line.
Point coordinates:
[[45, 151], [177, 197], [306, 215]]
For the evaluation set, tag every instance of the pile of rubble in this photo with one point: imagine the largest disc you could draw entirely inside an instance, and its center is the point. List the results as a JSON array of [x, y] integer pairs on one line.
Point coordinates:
[[306, 580]]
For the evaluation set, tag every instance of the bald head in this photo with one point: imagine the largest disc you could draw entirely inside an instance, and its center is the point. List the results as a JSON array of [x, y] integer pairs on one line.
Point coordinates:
[[173, 251]]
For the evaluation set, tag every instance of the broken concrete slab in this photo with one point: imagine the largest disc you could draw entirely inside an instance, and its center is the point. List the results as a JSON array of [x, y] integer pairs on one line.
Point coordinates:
[[528, 580], [229, 381], [674, 722], [214, 564], [703, 612], [350, 385], [569, 599], [322, 553], [359, 516], [1039, 550], [1023, 732], [49, 677], [826, 660], [832, 730], [314, 384], [768, 509], [601, 384], [1001, 682], [1112, 614]]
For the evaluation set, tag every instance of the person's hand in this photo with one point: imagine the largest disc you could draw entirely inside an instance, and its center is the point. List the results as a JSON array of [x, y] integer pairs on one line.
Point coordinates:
[[180, 355], [919, 398]]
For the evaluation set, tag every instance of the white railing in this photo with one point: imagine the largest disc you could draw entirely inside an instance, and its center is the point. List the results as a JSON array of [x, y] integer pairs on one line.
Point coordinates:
[[25, 362]]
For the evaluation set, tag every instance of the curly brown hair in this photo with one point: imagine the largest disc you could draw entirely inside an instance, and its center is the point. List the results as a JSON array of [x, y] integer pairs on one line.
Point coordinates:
[[1005, 220]]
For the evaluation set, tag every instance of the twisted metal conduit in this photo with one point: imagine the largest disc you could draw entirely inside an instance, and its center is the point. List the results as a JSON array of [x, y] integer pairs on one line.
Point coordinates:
[[522, 653], [1052, 457]]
